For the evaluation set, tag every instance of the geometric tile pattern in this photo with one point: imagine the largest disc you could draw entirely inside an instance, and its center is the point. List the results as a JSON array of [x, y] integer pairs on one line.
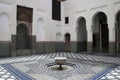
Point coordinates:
[[82, 56], [112, 75], [75, 68], [5, 75], [19, 74]]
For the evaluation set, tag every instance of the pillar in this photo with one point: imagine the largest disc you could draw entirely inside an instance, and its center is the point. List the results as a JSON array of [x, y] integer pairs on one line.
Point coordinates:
[[89, 41]]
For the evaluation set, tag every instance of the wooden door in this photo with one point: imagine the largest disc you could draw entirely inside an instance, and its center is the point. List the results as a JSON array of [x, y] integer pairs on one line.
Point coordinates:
[[22, 38]]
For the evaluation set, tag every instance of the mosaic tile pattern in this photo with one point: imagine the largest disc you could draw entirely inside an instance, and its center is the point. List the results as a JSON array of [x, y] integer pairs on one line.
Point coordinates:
[[82, 56], [112, 75], [5, 75], [81, 68]]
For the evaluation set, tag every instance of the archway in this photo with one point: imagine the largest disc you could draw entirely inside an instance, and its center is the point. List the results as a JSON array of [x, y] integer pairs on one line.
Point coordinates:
[[67, 42], [81, 35], [22, 37], [100, 33], [117, 31]]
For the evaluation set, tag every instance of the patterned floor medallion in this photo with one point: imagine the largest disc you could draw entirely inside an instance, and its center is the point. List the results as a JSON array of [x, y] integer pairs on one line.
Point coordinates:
[[71, 69]]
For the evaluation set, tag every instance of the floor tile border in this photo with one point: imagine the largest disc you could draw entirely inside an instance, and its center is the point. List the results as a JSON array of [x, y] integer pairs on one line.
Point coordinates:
[[104, 72], [18, 74]]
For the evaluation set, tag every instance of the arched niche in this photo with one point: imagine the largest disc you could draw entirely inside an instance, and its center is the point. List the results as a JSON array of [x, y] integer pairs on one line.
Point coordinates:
[[59, 44], [40, 31], [58, 36], [81, 34], [4, 27]]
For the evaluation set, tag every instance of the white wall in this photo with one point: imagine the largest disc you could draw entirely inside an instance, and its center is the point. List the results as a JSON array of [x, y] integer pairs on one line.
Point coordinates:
[[41, 9], [71, 8], [40, 31], [5, 29]]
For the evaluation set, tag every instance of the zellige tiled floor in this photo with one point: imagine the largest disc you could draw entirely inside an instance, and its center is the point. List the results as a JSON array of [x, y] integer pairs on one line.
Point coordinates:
[[112, 75]]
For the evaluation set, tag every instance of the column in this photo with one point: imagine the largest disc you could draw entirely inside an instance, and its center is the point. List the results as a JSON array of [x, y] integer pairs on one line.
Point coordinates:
[[111, 26], [89, 41]]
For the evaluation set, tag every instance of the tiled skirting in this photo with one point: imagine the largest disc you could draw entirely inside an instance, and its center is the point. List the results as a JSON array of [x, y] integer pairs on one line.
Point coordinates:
[[5, 47], [9, 49]]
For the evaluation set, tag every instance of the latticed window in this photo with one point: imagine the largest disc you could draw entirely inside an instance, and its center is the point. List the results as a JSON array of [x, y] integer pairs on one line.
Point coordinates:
[[56, 10]]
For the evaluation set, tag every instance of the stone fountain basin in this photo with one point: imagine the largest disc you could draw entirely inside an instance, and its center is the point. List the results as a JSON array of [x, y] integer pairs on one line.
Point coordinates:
[[60, 60]]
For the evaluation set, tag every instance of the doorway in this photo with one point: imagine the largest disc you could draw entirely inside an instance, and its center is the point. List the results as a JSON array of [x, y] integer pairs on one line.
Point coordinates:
[[117, 32], [67, 43], [22, 37], [100, 33]]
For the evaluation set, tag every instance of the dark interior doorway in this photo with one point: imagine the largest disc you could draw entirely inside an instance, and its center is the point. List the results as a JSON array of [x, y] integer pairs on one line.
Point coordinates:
[[100, 33], [67, 43], [104, 37], [118, 32]]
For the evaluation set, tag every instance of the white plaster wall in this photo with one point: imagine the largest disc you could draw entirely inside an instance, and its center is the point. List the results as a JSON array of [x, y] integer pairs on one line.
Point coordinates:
[[71, 8], [39, 24], [59, 25], [40, 31], [41, 9], [4, 27], [58, 37], [5, 21]]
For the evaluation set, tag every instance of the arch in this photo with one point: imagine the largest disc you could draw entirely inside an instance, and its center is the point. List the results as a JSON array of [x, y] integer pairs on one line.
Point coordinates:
[[27, 26], [81, 19], [100, 32], [81, 34], [58, 36], [67, 42], [5, 27], [67, 37], [23, 37], [116, 15], [40, 32], [5, 13], [117, 31], [97, 13]]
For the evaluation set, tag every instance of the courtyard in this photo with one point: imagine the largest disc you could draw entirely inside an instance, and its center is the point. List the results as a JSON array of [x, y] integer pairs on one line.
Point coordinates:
[[81, 66], [59, 40]]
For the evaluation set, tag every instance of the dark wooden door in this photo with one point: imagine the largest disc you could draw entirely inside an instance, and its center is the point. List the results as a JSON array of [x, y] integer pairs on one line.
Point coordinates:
[[22, 38]]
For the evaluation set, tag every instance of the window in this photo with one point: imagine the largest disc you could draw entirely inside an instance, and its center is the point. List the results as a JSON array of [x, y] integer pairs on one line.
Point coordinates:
[[56, 10], [66, 20]]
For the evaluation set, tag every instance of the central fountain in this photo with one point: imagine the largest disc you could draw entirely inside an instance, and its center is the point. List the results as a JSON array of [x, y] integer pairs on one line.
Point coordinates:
[[60, 61]]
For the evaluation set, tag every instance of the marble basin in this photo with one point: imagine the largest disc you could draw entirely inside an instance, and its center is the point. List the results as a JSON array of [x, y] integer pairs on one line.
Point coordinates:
[[60, 60]]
